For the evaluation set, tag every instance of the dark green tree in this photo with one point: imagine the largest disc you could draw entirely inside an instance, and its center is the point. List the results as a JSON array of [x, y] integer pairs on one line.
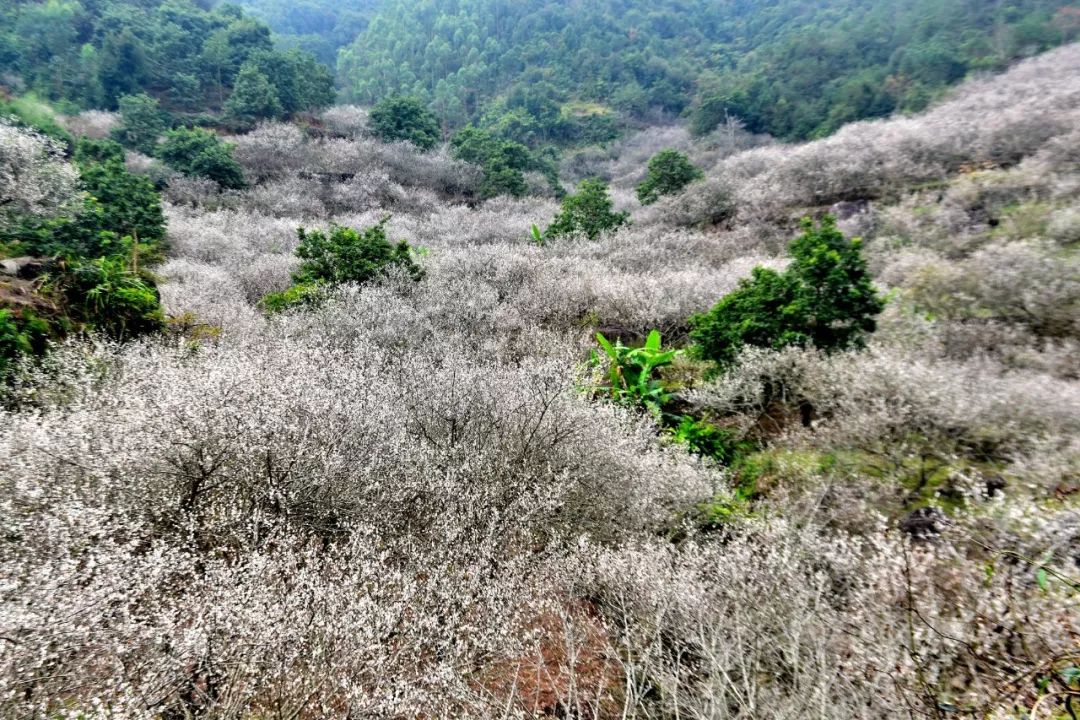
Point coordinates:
[[347, 255], [824, 299], [253, 98], [199, 152], [587, 212], [503, 161], [118, 204], [122, 66], [141, 123], [669, 172], [397, 118], [300, 83]]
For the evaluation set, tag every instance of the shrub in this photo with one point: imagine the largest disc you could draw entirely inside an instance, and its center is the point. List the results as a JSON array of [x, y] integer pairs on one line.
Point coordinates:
[[13, 342], [397, 118], [198, 152], [253, 98], [631, 371], [338, 256], [588, 212], [106, 295], [724, 445], [299, 295], [503, 161], [669, 172], [141, 123], [345, 255], [825, 298]]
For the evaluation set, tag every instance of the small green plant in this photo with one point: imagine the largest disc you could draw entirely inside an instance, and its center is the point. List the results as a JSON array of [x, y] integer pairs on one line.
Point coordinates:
[[669, 172], [588, 212], [702, 437], [631, 371], [299, 295], [536, 236], [824, 299]]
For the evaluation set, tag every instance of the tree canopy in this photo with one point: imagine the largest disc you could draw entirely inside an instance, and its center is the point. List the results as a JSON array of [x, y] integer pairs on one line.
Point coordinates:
[[556, 71], [90, 54], [825, 298]]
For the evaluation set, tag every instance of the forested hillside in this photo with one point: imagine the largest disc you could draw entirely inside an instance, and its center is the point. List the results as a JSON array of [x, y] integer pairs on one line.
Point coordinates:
[[85, 55], [317, 26], [789, 68], [556, 381]]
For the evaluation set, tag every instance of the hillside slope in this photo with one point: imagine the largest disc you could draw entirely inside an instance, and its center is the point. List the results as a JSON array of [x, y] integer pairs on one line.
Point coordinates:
[[417, 496], [790, 69]]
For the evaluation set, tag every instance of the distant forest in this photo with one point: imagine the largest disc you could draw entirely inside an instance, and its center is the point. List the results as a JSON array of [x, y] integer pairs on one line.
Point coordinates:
[[86, 55], [790, 68], [533, 71]]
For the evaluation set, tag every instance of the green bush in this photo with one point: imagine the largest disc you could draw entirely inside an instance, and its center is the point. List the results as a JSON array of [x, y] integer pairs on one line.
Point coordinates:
[[587, 212], [346, 255], [631, 371], [669, 172], [398, 118], [299, 295], [141, 123], [702, 437], [198, 152], [13, 341], [338, 256], [104, 294], [503, 161], [825, 299]]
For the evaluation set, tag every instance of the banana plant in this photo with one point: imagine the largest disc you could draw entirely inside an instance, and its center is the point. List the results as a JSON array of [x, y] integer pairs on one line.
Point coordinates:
[[537, 237], [631, 371]]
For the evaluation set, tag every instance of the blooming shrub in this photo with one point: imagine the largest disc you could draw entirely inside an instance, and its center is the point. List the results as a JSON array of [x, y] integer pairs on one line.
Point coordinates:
[[399, 502]]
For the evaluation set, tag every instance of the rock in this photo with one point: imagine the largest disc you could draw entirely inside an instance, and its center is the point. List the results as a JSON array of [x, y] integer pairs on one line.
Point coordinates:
[[995, 484], [847, 209], [924, 523], [23, 267]]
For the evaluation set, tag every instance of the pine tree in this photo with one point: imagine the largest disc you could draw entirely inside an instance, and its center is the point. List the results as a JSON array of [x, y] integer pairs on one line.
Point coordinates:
[[253, 98]]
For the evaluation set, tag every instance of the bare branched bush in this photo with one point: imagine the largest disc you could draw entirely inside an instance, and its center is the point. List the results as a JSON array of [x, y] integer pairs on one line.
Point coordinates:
[[348, 121], [34, 177], [94, 124], [996, 121], [404, 500]]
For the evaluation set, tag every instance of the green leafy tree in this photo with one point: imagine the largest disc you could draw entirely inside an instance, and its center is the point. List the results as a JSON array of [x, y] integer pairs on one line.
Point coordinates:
[[199, 152], [341, 255], [503, 161], [347, 255], [587, 212], [130, 205], [397, 118], [253, 98], [122, 66], [669, 172], [141, 123], [824, 299], [300, 83]]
